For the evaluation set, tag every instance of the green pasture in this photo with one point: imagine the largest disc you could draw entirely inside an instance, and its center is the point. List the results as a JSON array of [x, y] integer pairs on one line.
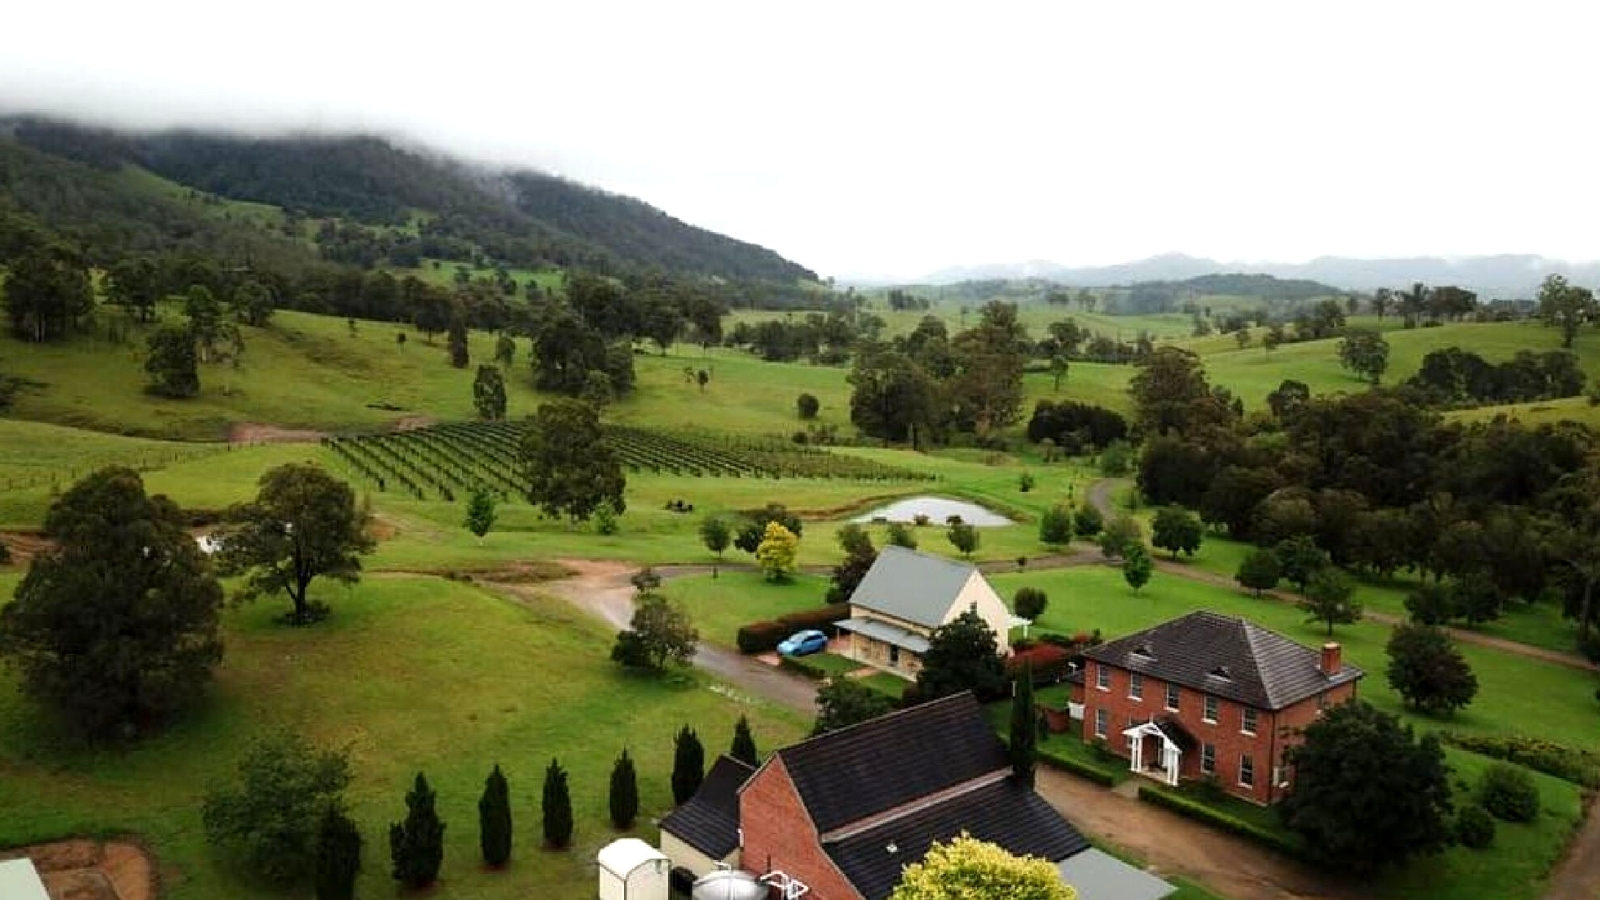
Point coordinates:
[[411, 674]]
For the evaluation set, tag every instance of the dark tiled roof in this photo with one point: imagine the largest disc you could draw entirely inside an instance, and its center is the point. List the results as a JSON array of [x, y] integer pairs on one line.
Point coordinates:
[[911, 586], [709, 821], [1227, 656], [1175, 732], [1000, 813], [863, 770]]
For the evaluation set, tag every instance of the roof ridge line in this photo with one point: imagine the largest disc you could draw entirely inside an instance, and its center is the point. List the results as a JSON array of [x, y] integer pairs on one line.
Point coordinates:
[[888, 715]]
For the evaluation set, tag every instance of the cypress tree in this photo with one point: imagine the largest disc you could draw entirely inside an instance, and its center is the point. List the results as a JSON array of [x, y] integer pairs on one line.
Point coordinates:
[[744, 743], [416, 846], [1024, 727], [338, 855], [557, 808], [688, 766], [494, 819], [624, 793]]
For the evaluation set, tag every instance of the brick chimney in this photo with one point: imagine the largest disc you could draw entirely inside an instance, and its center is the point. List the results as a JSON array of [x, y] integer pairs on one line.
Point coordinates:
[[1332, 658]]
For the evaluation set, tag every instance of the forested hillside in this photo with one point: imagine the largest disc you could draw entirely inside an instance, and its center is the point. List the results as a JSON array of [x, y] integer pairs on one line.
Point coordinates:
[[378, 203]]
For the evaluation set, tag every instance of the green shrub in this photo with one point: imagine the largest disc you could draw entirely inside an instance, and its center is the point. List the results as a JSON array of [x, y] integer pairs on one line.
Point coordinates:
[[1475, 827], [1195, 809], [1509, 793], [1029, 602], [1577, 765]]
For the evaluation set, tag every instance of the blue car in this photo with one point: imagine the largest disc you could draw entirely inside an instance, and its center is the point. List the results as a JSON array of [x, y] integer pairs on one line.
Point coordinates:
[[802, 642]]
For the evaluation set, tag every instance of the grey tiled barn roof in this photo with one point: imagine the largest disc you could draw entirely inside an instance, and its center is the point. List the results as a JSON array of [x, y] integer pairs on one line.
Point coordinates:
[[847, 775], [1226, 656], [709, 821], [1000, 813], [915, 587]]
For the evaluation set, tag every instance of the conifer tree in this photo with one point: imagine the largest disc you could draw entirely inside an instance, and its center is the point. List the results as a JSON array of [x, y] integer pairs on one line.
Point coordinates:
[[624, 793], [494, 819], [338, 855], [744, 744], [1024, 728], [688, 766], [557, 808], [416, 846]]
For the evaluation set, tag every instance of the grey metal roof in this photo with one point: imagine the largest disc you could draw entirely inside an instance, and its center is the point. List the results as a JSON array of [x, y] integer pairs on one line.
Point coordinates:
[[916, 587], [1098, 875], [1226, 656], [883, 631]]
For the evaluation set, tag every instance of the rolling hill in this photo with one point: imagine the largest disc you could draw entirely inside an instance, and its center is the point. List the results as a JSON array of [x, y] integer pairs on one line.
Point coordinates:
[[387, 204]]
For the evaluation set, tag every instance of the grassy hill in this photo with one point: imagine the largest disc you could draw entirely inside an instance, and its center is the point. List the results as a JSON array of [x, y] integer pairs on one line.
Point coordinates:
[[309, 371], [251, 200]]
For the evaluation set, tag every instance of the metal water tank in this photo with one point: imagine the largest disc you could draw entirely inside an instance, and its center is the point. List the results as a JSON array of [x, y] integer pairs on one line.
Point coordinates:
[[728, 884]]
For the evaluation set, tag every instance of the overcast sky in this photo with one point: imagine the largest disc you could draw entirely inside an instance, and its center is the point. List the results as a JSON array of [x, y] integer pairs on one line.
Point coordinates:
[[867, 138]]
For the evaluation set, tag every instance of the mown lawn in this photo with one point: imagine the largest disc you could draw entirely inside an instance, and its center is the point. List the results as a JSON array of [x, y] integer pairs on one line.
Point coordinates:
[[1516, 694], [411, 674], [718, 606]]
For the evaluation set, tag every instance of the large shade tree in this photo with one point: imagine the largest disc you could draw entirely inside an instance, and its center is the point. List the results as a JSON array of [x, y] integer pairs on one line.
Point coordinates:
[[568, 467], [1366, 792], [115, 628], [303, 524]]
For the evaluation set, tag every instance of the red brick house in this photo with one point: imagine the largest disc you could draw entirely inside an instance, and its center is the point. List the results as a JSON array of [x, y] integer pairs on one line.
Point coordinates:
[[1207, 695], [840, 815]]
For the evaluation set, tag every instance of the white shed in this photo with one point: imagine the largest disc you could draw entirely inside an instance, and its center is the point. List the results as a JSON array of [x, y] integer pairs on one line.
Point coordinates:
[[630, 869], [19, 881]]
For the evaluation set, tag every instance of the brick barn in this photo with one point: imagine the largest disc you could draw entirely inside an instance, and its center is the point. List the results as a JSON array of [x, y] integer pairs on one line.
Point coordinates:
[[843, 813]]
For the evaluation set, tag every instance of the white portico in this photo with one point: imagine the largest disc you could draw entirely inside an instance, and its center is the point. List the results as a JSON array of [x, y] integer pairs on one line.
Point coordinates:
[[1164, 751]]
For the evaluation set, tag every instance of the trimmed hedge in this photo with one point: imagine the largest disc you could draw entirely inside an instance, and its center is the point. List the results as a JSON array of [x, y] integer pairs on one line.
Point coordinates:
[[1049, 662], [1574, 764], [760, 637], [1194, 809], [1078, 767]]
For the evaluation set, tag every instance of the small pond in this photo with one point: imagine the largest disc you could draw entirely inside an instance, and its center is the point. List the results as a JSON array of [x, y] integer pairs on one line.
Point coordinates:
[[937, 509]]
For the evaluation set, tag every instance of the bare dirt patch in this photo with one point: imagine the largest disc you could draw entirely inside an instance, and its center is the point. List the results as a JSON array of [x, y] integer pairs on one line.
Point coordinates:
[[412, 423], [24, 545], [258, 433], [82, 869]]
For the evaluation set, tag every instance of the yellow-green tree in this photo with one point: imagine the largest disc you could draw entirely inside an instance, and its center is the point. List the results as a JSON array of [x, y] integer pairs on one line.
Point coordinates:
[[968, 868], [777, 551]]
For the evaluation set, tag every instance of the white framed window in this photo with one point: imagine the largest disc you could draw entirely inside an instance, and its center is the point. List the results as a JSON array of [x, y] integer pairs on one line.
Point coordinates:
[[1247, 770], [1172, 697], [1247, 721], [1102, 721], [1208, 759], [1210, 712], [1102, 677], [1135, 686]]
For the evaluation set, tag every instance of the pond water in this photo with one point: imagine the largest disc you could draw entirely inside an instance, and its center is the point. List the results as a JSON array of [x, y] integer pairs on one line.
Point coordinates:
[[937, 509]]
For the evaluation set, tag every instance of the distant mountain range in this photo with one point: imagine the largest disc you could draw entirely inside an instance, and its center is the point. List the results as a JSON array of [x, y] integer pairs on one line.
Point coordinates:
[[1503, 276]]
